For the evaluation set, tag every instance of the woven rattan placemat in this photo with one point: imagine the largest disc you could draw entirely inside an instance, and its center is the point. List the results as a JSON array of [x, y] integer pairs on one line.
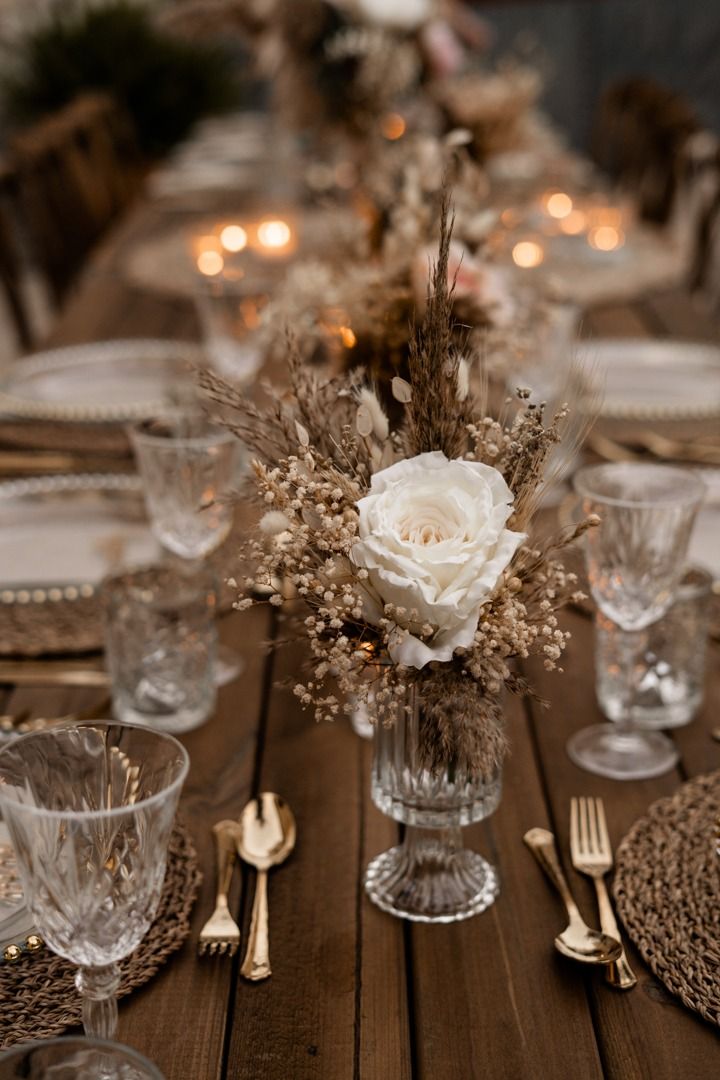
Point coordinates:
[[667, 889], [38, 998]]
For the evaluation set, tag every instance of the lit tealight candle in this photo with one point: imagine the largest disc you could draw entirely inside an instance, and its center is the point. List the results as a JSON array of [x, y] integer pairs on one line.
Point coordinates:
[[393, 126], [210, 263], [527, 254], [347, 337], [574, 223], [233, 238], [559, 205], [274, 235], [606, 238]]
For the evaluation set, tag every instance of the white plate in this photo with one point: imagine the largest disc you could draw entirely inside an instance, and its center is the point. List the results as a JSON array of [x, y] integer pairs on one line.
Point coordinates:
[[61, 535], [655, 380], [111, 381]]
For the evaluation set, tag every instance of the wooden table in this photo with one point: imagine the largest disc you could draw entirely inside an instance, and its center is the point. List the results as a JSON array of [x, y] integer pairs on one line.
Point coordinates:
[[355, 994]]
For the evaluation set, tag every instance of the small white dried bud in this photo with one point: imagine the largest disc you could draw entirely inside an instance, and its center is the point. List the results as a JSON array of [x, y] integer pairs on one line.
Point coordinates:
[[462, 380], [274, 522]]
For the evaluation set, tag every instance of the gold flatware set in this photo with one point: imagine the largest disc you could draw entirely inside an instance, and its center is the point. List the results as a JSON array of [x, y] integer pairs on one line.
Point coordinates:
[[591, 854], [263, 838]]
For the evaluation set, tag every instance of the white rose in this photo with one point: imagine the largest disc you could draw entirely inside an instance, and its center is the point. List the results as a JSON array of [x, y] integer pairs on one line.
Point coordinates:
[[397, 14], [432, 537]]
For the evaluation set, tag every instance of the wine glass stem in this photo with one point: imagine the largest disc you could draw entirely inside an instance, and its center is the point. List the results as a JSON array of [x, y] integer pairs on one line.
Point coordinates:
[[98, 987], [632, 649]]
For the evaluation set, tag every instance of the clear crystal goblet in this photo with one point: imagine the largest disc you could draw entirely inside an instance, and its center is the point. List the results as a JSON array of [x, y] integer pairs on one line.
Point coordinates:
[[75, 1058], [90, 809], [635, 560], [188, 467]]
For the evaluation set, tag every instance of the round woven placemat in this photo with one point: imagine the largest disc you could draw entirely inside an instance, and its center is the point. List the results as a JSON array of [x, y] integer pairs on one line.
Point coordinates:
[[667, 889], [38, 998]]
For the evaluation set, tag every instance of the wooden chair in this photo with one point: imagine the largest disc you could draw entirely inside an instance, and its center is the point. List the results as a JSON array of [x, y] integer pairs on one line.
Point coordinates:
[[639, 136], [11, 266], [77, 170]]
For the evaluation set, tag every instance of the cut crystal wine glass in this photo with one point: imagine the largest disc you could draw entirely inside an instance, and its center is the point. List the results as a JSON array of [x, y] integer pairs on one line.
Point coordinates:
[[75, 1058], [90, 809], [635, 561], [189, 467]]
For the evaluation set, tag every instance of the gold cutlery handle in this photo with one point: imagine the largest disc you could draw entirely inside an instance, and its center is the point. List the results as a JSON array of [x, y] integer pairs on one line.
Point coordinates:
[[226, 853], [542, 844], [256, 964], [619, 972]]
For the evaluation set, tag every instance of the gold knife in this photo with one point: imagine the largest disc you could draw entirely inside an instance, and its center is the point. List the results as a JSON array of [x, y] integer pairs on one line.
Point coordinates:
[[51, 673]]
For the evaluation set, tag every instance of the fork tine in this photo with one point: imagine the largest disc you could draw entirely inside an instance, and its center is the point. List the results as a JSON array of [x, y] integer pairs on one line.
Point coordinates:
[[583, 823], [202, 946], [603, 835], [592, 826], [574, 828]]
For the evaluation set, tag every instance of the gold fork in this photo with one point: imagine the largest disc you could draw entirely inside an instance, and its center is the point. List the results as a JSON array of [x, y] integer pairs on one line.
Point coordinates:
[[221, 934], [591, 854]]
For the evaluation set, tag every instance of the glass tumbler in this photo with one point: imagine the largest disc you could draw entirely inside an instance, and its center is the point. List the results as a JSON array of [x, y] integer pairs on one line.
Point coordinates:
[[670, 666], [160, 642], [75, 1058], [90, 809]]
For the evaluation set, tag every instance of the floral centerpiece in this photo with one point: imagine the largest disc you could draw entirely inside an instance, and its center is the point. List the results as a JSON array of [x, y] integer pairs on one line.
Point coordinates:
[[410, 547]]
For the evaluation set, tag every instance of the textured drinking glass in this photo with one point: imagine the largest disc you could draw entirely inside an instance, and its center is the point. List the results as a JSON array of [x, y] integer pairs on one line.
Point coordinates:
[[430, 876], [160, 645], [670, 667], [635, 560], [189, 467], [75, 1058], [230, 311], [90, 809]]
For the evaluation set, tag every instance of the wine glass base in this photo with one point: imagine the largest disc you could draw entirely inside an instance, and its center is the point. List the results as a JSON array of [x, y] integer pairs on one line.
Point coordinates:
[[605, 750], [228, 665], [442, 889]]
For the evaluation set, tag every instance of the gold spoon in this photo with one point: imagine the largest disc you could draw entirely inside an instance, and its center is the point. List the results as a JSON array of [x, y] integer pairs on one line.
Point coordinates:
[[267, 836], [577, 941]]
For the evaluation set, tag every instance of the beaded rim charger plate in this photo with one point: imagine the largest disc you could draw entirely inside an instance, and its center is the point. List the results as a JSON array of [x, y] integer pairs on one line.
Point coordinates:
[[667, 889], [103, 382], [38, 992]]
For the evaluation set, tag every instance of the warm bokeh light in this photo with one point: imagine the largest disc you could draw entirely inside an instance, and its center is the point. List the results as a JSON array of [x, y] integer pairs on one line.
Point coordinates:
[[574, 223], [348, 337], [233, 238], [274, 234], [510, 217], [606, 238], [559, 205], [393, 126], [210, 263], [527, 253]]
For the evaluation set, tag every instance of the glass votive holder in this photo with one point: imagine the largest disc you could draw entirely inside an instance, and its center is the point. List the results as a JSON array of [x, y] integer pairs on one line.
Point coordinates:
[[161, 644], [670, 673], [75, 1058]]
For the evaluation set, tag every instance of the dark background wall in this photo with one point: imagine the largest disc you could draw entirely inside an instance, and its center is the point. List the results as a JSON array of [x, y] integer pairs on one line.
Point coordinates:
[[585, 44]]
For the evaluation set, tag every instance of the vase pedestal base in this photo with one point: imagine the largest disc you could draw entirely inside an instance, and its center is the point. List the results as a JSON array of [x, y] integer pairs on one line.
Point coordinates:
[[429, 878]]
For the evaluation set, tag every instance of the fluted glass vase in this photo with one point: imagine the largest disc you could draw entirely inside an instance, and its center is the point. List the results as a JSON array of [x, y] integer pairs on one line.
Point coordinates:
[[430, 876]]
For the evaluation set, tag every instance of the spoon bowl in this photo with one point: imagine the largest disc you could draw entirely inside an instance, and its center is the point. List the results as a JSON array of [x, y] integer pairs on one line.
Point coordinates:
[[588, 946], [267, 833]]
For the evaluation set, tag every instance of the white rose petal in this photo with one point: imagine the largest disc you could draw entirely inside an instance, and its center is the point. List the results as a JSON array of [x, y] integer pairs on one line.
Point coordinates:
[[432, 538], [398, 14]]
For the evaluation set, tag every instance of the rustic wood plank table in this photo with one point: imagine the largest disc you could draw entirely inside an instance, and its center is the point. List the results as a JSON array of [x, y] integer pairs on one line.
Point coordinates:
[[356, 995]]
